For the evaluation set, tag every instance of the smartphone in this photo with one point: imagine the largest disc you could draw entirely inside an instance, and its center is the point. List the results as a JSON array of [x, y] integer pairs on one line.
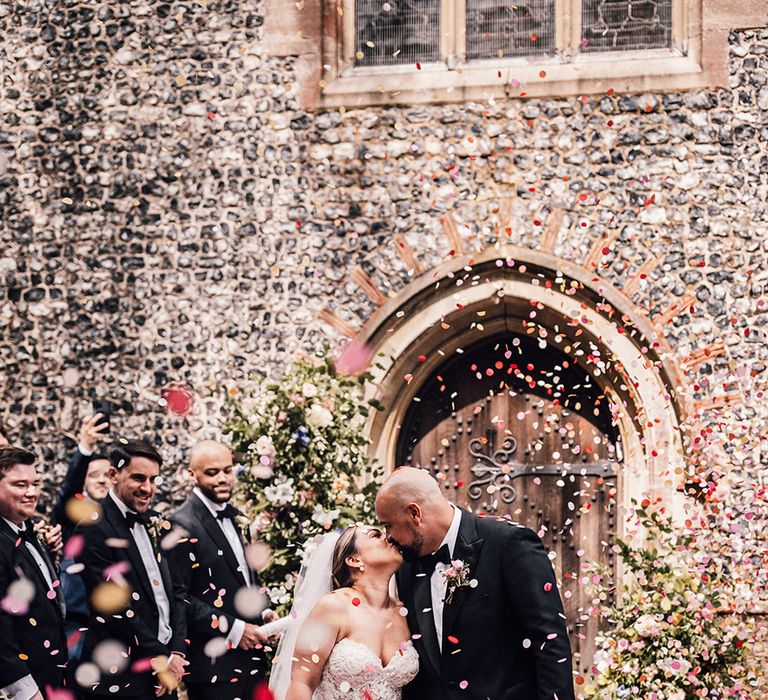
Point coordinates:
[[106, 408]]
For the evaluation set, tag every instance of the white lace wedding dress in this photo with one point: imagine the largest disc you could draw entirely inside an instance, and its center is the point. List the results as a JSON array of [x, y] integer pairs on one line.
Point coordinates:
[[355, 671]]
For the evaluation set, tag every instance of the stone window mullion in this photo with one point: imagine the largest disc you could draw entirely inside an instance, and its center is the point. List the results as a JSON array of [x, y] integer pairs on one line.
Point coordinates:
[[458, 12]]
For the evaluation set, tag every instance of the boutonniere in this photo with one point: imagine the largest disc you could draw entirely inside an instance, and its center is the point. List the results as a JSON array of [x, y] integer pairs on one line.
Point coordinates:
[[157, 527], [457, 576], [243, 524]]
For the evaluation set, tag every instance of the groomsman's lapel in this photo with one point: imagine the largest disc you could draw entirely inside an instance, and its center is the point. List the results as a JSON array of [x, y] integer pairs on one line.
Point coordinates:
[[24, 551], [422, 601], [218, 537], [467, 549]]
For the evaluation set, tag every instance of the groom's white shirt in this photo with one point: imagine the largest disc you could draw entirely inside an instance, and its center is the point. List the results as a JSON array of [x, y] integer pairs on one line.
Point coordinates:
[[438, 584]]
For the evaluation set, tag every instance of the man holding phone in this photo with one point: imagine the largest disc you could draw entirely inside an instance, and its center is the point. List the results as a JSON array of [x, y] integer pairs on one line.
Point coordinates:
[[87, 474]]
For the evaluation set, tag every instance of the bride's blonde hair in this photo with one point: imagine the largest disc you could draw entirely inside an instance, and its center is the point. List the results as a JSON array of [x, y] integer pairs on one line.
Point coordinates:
[[341, 574]]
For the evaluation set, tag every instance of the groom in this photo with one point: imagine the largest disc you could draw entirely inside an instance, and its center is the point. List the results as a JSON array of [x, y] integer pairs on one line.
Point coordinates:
[[493, 628]]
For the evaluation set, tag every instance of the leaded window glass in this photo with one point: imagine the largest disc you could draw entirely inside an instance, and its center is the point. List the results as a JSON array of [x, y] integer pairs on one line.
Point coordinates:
[[625, 25], [391, 32], [499, 29]]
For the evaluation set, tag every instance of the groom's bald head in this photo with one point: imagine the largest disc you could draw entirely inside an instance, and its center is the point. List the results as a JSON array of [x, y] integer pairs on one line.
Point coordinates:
[[413, 511], [408, 485]]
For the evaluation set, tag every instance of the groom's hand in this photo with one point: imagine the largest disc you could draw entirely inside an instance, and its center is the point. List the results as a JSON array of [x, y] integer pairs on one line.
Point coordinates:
[[252, 637]]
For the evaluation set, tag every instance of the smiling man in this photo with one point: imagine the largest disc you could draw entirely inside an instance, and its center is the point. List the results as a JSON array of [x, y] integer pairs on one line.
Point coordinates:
[[33, 649], [132, 604], [226, 658]]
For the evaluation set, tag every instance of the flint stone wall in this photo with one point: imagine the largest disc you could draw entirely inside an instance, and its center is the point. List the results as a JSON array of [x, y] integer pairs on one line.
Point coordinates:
[[170, 213]]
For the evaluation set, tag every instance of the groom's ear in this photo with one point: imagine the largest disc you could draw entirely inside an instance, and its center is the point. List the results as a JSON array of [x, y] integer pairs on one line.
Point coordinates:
[[414, 512]]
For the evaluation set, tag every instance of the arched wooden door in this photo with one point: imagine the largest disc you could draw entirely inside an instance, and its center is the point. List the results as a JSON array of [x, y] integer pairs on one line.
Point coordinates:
[[513, 429]]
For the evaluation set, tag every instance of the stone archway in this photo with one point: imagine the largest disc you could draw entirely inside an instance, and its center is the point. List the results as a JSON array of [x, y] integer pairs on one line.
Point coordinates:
[[463, 301], [513, 291], [457, 304]]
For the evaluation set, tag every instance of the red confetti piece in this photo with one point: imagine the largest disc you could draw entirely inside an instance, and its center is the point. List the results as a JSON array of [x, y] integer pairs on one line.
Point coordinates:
[[422, 358], [542, 74], [452, 639], [418, 66], [547, 587], [263, 692], [355, 601], [179, 399], [211, 115]]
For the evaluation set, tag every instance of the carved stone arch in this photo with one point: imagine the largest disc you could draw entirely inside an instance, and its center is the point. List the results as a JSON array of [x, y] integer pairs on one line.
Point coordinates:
[[464, 300], [512, 292]]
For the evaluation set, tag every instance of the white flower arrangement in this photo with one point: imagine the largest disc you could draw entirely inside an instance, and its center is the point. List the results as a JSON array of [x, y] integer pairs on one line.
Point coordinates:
[[281, 493], [304, 453], [325, 518], [671, 638]]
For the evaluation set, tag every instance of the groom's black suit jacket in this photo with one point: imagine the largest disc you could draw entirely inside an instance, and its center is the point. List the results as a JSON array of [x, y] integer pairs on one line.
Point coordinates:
[[109, 548], [489, 625], [42, 643], [206, 566]]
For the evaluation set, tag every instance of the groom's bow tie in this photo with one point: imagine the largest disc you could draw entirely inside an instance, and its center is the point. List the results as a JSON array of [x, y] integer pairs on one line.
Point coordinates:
[[430, 561], [227, 511], [132, 518]]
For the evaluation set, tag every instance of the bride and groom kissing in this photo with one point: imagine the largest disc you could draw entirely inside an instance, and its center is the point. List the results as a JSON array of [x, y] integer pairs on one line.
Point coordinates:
[[479, 615]]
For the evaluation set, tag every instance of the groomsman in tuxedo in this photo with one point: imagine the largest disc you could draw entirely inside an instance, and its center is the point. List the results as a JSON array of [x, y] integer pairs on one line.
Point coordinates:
[[33, 648], [495, 628], [225, 643], [131, 595]]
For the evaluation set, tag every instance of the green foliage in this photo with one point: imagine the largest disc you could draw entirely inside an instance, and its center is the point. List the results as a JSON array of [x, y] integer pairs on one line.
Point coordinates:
[[306, 468]]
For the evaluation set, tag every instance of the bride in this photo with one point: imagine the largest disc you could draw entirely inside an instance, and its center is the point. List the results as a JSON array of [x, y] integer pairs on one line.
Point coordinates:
[[347, 637]]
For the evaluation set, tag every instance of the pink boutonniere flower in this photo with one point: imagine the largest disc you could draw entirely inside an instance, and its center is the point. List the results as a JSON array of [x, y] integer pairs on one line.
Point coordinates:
[[457, 576]]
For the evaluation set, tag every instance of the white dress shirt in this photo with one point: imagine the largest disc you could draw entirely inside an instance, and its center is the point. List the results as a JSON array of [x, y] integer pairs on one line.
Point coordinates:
[[144, 545], [438, 582], [228, 528], [26, 688]]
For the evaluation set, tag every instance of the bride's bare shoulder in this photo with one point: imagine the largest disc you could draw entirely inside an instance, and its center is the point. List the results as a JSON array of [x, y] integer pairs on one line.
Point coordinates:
[[333, 603]]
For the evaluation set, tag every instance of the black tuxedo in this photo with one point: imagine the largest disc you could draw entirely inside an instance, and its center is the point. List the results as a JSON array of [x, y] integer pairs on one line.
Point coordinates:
[[207, 568], [109, 542], [17, 634], [73, 483], [488, 625]]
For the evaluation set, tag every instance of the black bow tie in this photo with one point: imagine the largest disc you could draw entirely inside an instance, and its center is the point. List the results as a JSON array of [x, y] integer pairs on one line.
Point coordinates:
[[28, 534], [228, 511], [430, 561], [132, 518]]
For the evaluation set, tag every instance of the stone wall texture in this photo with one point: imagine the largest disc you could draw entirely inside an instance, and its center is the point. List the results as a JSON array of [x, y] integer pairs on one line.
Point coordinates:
[[170, 214]]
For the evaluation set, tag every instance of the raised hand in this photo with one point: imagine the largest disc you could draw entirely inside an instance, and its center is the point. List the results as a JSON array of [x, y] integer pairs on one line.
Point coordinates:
[[52, 537], [91, 431]]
